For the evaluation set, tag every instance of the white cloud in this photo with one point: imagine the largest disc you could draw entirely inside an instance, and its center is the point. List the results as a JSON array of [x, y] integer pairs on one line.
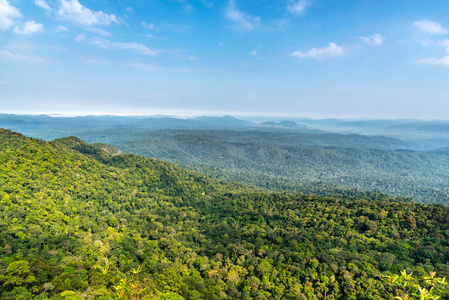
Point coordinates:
[[72, 10], [253, 53], [130, 9], [30, 27], [42, 4], [297, 7], [241, 20], [149, 26], [7, 14], [321, 53], [135, 47], [431, 27], [435, 61], [376, 39]]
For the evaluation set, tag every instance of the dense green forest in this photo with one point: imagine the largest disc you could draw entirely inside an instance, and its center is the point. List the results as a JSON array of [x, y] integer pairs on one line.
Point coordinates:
[[309, 163], [83, 221]]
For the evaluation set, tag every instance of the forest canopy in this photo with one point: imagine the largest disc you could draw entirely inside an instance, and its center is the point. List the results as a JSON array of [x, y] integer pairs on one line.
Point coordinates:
[[82, 221]]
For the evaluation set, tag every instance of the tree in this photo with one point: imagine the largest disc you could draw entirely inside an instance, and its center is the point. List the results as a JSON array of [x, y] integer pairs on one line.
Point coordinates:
[[17, 274]]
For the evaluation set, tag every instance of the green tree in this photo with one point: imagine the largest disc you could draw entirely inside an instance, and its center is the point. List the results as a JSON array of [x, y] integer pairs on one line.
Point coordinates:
[[17, 274]]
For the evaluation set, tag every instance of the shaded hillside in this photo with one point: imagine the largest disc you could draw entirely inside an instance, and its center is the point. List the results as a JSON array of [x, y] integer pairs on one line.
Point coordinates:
[[73, 225]]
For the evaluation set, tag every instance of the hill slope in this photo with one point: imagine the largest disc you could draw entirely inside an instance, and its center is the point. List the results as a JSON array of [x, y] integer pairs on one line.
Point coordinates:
[[72, 225]]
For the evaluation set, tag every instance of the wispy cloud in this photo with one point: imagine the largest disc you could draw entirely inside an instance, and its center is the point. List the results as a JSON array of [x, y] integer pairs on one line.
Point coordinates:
[[98, 31], [241, 20], [153, 68], [180, 28], [8, 14], [61, 28], [4, 82], [186, 6], [100, 62], [430, 27], [80, 38], [253, 53], [436, 43], [376, 39], [134, 47], [207, 3], [149, 26], [30, 27], [9, 56], [445, 44], [42, 4], [298, 7], [321, 53], [435, 61], [73, 11]]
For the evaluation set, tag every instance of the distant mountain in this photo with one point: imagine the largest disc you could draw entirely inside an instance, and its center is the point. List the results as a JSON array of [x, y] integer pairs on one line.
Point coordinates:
[[49, 128], [223, 121], [429, 133], [282, 124]]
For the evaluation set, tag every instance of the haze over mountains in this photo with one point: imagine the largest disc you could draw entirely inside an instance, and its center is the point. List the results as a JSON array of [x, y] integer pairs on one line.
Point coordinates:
[[302, 156], [429, 134]]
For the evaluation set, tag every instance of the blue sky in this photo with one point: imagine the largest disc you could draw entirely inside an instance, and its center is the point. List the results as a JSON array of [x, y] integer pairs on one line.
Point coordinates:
[[302, 58]]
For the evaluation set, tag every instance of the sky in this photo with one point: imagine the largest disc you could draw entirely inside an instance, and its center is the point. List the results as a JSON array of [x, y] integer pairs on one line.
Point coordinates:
[[298, 58]]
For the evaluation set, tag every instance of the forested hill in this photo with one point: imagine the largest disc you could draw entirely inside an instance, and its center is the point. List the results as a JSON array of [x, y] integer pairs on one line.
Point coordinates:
[[73, 225], [308, 163]]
